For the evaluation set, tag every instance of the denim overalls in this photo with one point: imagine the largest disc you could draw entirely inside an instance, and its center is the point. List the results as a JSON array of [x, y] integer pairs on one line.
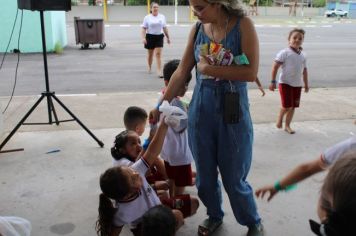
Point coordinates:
[[215, 144]]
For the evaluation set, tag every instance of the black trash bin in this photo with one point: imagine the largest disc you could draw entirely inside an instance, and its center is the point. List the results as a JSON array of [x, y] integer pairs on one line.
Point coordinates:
[[89, 31]]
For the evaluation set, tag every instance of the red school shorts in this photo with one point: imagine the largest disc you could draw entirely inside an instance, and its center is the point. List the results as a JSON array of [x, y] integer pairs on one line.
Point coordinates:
[[290, 96], [182, 175]]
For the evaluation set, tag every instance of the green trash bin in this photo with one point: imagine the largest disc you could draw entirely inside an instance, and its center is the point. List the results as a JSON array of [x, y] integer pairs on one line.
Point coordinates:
[[89, 31]]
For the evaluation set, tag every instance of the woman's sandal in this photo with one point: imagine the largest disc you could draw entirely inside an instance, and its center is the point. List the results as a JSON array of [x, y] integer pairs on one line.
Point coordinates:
[[207, 227]]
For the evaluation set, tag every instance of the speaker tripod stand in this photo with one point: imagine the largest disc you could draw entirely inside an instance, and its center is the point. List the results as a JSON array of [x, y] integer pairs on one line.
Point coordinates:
[[50, 96]]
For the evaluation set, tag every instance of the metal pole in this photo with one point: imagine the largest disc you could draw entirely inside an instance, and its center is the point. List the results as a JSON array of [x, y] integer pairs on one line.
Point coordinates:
[[148, 6], [175, 12], [105, 10]]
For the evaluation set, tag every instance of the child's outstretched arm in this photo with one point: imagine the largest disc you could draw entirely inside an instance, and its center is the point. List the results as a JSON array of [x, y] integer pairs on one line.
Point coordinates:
[[260, 86], [305, 79], [275, 68], [155, 147], [298, 174]]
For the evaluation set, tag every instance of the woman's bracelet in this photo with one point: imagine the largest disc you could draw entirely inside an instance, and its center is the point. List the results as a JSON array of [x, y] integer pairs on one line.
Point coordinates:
[[273, 82], [278, 187]]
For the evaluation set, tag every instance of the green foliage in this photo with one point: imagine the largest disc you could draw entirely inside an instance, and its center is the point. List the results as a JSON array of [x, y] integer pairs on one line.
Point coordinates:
[[319, 3], [136, 2], [91, 2], [74, 2], [160, 2], [267, 3]]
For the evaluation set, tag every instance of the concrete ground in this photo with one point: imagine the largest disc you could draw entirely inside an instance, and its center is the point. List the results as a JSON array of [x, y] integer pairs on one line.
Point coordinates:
[[58, 192]]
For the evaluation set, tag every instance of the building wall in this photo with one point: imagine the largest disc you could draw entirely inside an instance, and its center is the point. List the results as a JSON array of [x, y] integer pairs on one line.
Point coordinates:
[[30, 38]]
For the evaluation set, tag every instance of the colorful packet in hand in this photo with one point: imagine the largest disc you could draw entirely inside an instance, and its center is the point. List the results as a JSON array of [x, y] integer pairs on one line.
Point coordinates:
[[204, 49], [227, 59], [215, 48], [241, 59]]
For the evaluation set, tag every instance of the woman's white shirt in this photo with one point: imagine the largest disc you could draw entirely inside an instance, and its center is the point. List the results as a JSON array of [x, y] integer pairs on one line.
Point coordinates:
[[154, 24]]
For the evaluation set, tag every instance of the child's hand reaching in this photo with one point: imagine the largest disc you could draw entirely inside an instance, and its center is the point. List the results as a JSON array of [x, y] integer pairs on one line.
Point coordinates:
[[262, 191]]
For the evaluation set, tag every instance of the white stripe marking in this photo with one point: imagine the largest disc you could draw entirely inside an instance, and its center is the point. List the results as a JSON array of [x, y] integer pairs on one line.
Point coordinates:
[[77, 95]]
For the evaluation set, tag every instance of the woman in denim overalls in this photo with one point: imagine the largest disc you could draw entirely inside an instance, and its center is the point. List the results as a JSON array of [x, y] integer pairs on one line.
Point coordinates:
[[219, 145]]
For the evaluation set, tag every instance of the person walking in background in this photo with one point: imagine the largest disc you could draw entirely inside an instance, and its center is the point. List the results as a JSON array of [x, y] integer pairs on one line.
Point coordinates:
[[154, 29], [293, 62], [293, 8], [219, 123]]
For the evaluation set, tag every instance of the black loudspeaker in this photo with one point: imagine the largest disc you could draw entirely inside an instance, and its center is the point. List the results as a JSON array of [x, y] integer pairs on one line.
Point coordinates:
[[44, 5]]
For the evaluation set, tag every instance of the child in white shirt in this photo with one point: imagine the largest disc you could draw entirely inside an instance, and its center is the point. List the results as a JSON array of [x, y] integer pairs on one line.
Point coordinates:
[[293, 63], [127, 187], [175, 151]]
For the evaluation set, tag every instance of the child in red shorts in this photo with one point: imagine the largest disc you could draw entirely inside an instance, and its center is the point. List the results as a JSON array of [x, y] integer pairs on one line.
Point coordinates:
[[175, 150], [293, 63]]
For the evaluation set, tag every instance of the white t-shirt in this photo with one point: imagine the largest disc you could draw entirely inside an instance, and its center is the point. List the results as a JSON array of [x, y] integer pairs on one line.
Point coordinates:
[[131, 212], [154, 24], [332, 154], [122, 162], [293, 65], [175, 149]]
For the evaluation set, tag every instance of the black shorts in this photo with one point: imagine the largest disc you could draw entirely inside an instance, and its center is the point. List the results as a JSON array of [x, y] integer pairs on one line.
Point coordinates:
[[154, 41]]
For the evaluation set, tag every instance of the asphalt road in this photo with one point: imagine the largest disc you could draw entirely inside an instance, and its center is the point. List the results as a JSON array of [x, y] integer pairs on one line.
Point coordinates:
[[121, 66]]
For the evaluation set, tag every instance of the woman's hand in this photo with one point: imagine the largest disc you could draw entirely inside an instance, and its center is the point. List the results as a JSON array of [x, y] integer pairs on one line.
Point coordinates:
[[262, 191], [203, 64], [154, 116], [168, 41], [144, 41]]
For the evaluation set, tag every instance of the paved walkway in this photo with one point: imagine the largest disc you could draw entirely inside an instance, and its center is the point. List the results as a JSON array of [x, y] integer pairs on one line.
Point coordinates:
[[58, 192]]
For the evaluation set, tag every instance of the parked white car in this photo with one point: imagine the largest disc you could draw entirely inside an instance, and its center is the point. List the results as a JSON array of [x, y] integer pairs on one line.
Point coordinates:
[[336, 12]]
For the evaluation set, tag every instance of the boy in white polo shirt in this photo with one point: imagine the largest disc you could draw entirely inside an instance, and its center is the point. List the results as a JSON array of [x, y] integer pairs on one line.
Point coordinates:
[[175, 150], [293, 63]]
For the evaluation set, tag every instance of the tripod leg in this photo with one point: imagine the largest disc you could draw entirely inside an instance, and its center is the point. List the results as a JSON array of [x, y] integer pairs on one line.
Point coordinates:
[[21, 122], [52, 109], [101, 144]]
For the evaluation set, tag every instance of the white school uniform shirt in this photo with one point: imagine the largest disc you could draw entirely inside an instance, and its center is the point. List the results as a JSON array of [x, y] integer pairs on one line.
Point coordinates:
[[293, 65], [154, 24], [122, 162], [131, 212], [175, 149], [335, 152]]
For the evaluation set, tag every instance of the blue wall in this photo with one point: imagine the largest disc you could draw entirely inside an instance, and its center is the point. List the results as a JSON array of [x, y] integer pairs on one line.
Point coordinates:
[[350, 7], [30, 39]]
